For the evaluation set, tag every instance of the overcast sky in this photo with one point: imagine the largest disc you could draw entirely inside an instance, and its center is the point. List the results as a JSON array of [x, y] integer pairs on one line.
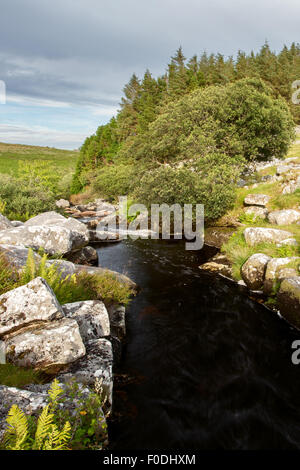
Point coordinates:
[[65, 62]]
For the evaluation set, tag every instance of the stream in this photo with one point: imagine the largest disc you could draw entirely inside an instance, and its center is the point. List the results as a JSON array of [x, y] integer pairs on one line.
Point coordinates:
[[204, 366]]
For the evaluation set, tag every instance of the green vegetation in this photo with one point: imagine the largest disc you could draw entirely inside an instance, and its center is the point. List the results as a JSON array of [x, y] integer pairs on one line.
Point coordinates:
[[63, 161], [45, 435], [57, 427], [14, 376], [83, 286], [32, 178], [88, 423], [237, 250], [9, 277], [176, 134]]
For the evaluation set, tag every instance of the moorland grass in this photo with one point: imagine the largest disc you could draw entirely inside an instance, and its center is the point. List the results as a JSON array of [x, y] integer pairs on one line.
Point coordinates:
[[12, 154]]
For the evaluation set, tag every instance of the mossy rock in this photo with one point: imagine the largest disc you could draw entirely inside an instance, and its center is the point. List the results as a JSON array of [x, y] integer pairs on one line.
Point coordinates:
[[289, 300]]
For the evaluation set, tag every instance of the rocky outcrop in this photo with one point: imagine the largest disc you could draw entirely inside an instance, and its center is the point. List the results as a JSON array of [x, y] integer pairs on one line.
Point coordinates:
[[289, 300], [96, 364], [256, 211], [288, 241], [53, 239], [32, 400], [291, 187], [54, 219], [284, 217], [31, 403], [5, 223], [217, 236], [117, 319], [281, 169], [253, 270], [102, 271], [99, 235], [33, 303], [87, 255], [272, 275], [17, 255], [218, 264], [62, 204], [92, 318], [256, 200], [49, 347], [255, 235]]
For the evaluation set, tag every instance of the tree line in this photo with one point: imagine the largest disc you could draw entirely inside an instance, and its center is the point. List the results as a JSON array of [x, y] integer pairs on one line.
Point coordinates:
[[145, 99]]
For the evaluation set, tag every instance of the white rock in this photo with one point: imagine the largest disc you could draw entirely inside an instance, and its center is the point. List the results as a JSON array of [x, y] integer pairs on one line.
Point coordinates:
[[283, 169], [53, 239], [17, 255], [54, 219], [284, 217], [253, 270], [289, 300], [5, 223], [62, 204], [257, 211], [17, 223], [96, 364], [34, 302], [291, 187], [31, 403], [50, 347], [255, 235], [92, 318], [273, 271], [256, 200], [288, 241]]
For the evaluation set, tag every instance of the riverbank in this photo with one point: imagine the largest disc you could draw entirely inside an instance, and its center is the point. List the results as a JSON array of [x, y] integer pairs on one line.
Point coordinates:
[[259, 248], [59, 320]]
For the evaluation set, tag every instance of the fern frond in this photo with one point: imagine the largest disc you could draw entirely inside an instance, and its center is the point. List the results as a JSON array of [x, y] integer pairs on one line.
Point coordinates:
[[42, 269], [29, 272], [55, 391], [57, 440], [44, 426], [17, 431]]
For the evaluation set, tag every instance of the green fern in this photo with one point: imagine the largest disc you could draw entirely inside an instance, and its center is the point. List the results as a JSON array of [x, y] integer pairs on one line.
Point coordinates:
[[82, 286], [58, 440], [47, 435], [16, 435], [55, 391], [30, 270]]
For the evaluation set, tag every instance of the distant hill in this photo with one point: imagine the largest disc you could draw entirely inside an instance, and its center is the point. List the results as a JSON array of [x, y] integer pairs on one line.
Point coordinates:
[[11, 154]]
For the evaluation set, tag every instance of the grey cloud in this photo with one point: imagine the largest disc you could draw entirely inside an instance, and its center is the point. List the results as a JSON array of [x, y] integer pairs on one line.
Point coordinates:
[[84, 51]]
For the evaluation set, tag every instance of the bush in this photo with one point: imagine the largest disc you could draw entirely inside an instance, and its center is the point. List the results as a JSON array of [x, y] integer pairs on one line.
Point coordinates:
[[34, 190], [115, 180], [23, 200], [209, 182]]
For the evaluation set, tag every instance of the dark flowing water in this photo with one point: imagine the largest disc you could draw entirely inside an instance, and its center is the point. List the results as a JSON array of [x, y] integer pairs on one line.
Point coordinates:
[[209, 368]]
